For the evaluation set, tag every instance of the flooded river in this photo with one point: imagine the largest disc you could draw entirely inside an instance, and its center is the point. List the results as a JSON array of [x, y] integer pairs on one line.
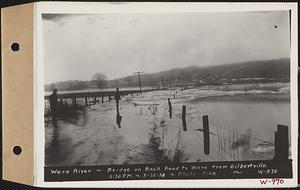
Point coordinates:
[[242, 122]]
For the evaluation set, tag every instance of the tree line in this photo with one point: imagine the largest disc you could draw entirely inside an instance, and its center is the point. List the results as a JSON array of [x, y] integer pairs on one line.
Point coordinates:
[[269, 70]]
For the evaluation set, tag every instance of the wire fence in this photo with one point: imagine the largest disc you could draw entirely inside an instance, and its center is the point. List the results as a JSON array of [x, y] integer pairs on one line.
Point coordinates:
[[229, 144]]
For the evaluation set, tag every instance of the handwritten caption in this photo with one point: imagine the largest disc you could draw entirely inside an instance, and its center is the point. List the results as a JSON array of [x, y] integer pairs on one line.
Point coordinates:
[[273, 181], [197, 170]]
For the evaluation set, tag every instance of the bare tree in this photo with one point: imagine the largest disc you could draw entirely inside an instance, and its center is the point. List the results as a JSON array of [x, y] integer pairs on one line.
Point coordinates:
[[100, 79]]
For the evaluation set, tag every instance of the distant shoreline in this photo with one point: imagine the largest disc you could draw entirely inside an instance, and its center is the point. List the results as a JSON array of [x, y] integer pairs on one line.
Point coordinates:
[[279, 97]]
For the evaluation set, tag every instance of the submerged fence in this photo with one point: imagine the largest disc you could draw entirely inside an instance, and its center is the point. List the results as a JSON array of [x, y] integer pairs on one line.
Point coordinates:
[[231, 143]]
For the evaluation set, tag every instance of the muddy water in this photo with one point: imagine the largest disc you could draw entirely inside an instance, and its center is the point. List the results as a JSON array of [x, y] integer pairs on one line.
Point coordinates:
[[149, 135], [93, 138]]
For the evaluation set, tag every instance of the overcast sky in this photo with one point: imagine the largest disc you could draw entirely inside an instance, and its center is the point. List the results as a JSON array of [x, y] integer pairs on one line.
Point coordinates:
[[77, 46]]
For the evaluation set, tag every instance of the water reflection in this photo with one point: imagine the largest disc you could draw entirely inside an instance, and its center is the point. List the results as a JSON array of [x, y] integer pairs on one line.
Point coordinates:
[[118, 117], [170, 108], [118, 120], [153, 109], [56, 151], [79, 118], [243, 141], [59, 148]]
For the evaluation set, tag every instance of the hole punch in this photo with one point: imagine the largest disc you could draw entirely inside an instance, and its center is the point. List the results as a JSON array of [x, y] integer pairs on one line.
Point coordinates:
[[17, 150], [15, 47]]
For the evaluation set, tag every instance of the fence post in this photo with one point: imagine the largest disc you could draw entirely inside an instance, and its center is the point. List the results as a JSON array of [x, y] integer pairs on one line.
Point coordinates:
[[183, 118], [95, 99], [206, 133], [102, 98], [86, 101], [74, 101], [109, 98], [170, 108], [281, 143]]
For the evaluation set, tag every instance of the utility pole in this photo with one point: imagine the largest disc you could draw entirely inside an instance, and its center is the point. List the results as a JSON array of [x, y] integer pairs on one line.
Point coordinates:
[[139, 75]]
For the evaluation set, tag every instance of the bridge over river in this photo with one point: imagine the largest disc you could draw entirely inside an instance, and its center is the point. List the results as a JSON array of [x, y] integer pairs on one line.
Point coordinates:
[[84, 98], [72, 95]]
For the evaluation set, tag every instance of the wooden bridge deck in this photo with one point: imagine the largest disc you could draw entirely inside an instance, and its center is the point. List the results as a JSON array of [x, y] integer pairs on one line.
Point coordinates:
[[98, 94]]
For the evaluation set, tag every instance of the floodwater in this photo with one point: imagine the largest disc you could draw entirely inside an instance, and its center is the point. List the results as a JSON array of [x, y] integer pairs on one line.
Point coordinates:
[[242, 122]]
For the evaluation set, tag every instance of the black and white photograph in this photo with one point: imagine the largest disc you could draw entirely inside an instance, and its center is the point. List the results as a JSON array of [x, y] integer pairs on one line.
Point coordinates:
[[166, 88]]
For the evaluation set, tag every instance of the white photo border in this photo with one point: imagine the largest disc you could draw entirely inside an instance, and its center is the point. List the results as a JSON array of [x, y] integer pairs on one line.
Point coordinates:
[[143, 7]]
